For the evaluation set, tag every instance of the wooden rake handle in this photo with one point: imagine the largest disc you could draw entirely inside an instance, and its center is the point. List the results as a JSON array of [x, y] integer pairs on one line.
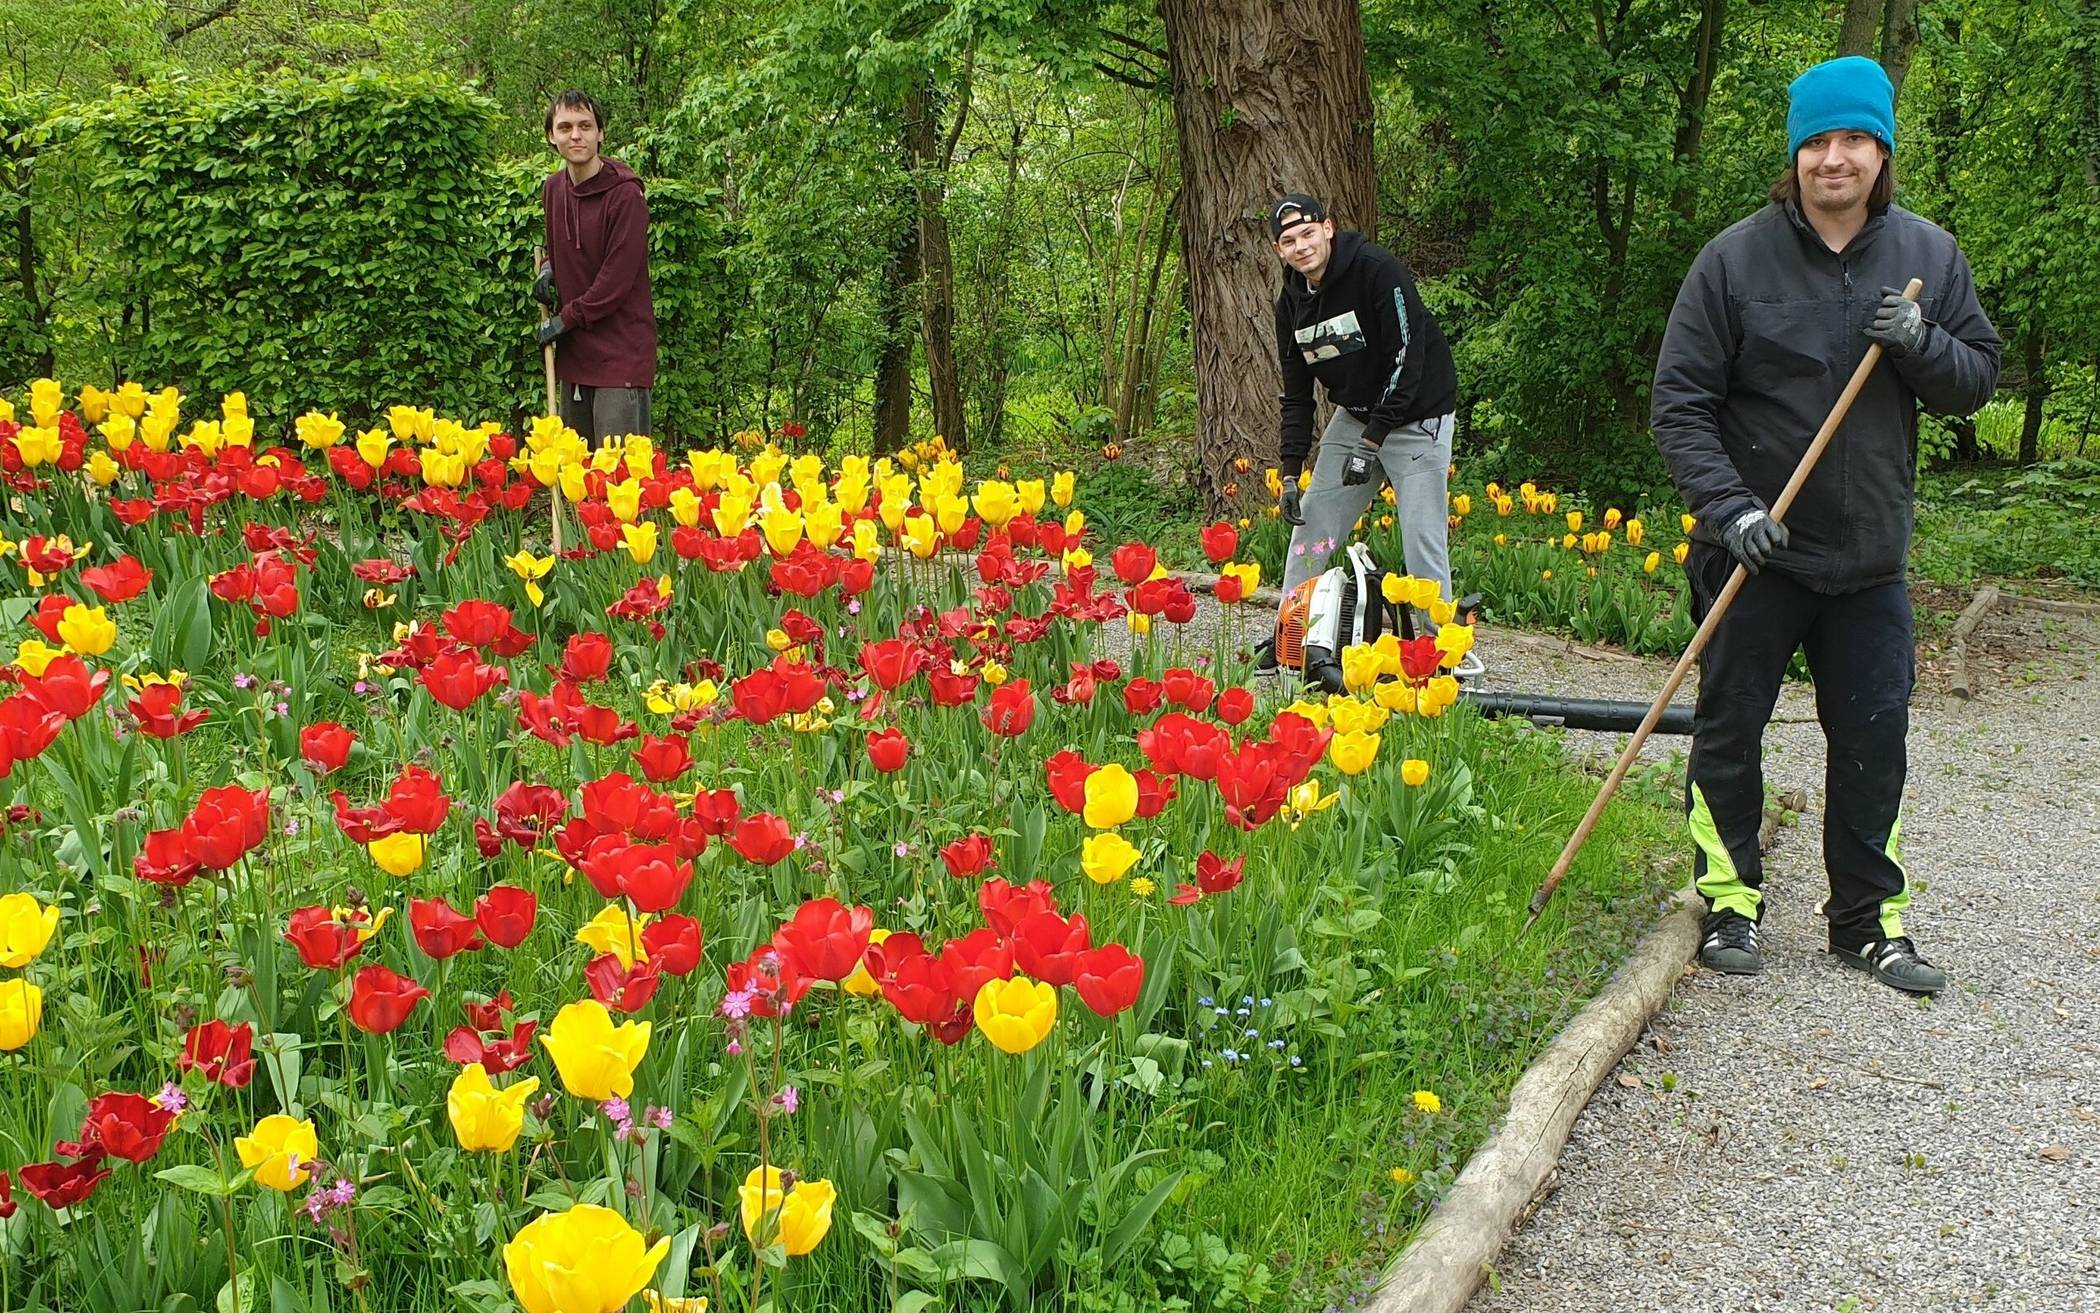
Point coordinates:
[[1707, 627]]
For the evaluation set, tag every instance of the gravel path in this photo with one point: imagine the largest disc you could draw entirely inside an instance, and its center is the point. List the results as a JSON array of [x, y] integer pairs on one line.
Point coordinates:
[[1808, 1139]]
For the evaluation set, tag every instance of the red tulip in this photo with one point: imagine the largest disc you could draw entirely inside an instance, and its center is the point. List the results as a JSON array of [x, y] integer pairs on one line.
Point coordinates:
[[458, 679], [505, 914], [717, 810], [476, 622], [417, 801], [7, 1197], [1109, 979], [1188, 690], [623, 989], [1047, 946], [1215, 875], [915, 982], [977, 957], [441, 931], [1004, 906], [227, 823], [1066, 772], [464, 1045], [67, 687], [586, 658], [324, 943], [1133, 563], [652, 877], [1235, 705], [524, 812], [48, 613], [1229, 588], [380, 1000], [825, 939], [892, 662], [968, 856], [762, 838], [1419, 657], [764, 984], [165, 858], [325, 746], [119, 581], [1010, 710], [127, 1126], [951, 688], [888, 749], [1220, 541], [665, 758], [158, 710], [62, 1187], [221, 1052], [673, 944], [27, 727]]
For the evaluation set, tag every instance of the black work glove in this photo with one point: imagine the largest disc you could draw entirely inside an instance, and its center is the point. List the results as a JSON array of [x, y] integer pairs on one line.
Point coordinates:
[[1288, 501], [1899, 324], [552, 329], [1752, 538], [543, 288], [1359, 468]]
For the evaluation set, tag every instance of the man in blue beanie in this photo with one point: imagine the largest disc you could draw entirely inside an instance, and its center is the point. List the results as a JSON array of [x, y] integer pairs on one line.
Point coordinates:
[[1771, 322]]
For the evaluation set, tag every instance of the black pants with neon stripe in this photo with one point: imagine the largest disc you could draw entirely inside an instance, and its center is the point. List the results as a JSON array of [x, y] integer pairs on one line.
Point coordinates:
[[1861, 657]]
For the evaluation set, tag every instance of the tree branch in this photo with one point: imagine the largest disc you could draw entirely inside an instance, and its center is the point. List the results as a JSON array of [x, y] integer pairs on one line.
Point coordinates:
[[223, 9]]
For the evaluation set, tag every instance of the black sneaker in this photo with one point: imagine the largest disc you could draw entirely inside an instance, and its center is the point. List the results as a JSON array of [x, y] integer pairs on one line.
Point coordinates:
[[1265, 657], [1895, 963], [1731, 944]]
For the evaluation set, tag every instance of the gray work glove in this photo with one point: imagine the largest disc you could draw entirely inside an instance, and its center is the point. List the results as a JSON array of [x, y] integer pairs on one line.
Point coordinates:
[[1752, 537], [1899, 324], [552, 329], [543, 288], [1359, 468], [1292, 515]]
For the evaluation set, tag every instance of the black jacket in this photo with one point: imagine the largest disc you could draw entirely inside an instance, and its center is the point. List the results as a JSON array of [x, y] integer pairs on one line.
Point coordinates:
[[1365, 334], [1764, 336]]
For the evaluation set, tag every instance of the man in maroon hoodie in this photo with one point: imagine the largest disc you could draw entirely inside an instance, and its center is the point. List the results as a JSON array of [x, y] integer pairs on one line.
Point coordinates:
[[597, 273]]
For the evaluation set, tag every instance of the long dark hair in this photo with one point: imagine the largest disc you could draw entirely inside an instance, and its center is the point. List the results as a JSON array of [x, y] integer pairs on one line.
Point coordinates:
[[1786, 188]]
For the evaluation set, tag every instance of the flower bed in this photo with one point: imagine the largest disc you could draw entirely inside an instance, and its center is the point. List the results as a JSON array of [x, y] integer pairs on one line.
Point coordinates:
[[416, 898]]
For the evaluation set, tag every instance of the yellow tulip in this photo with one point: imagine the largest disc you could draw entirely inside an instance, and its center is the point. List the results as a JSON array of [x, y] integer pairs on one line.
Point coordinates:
[[1442, 611], [1414, 772], [38, 445], [949, 511], [1030, 494], [317, 430], [611, 931], [1461, 506], [1138, 622], [1454, 641], [586, 1259], [656, 1303], [25, 927], [33, 655], [1568, 542], [766, 466], [782, 529], [1611, 517], [372, 445], [640, 541], [624, 500], [1360, 667], [1015, 1015], [129, 400], [1353, 753], [1111, 796], [1307, 798], [1680, 551], [921, 536], [797, 1219], [996, 502], [1635, 531], [281, 1149], [1076, 558], [119, 431], [993, 673], [860, 982], [1574, 521], [1654, 559], [46, 399], [483, 1117], [1061, 486], [1316, 712], [397, 854], [823, 521], [1107, 857], [1686, 522], [596, 1059], [732, 514], [88, 630], [21, 1013]]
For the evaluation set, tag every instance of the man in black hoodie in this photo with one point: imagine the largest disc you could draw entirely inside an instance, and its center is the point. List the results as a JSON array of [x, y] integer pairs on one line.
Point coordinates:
[[1349, 316], [1774, 317], [597, 274]]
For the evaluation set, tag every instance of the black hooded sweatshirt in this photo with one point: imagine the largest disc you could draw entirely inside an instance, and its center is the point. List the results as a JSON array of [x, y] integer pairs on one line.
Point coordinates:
[[1365, 334]]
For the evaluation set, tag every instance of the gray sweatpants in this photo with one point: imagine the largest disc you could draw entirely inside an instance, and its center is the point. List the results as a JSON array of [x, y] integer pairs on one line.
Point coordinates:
[[600, 413], [1417, 462]]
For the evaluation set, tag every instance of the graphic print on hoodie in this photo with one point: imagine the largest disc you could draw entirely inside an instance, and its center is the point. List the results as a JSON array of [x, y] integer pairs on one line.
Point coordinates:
[[598, 241]]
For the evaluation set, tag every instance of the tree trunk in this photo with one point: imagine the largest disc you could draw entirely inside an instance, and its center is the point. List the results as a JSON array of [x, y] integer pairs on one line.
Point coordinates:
[[1691, 107], [1899, 37], [1861, 25], [1267, 99], [2035, 358], [26, 269], [930, 156]]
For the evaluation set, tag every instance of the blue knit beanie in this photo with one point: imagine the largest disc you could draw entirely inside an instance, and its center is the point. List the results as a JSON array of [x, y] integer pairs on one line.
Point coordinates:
[[1849, 94]]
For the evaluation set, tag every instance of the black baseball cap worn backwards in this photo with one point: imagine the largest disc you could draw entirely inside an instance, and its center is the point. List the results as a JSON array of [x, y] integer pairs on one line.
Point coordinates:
[[1293, 210]]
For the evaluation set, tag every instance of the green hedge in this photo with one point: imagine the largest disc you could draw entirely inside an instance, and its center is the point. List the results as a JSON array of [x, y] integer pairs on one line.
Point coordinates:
[[348, 244]]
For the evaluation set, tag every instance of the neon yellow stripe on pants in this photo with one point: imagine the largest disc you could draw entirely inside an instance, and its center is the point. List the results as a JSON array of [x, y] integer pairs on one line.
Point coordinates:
[[1892, 908], [1721, 886]]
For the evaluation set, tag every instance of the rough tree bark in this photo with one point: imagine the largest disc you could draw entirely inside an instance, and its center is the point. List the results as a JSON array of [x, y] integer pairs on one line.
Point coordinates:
[[1861, 24], [1268, 98], [1886, 30], [2035, 357], [931, 155], [893, 367]]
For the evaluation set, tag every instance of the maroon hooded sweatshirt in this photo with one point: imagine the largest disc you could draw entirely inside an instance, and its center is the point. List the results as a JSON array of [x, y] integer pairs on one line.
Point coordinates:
[[598, 240]]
